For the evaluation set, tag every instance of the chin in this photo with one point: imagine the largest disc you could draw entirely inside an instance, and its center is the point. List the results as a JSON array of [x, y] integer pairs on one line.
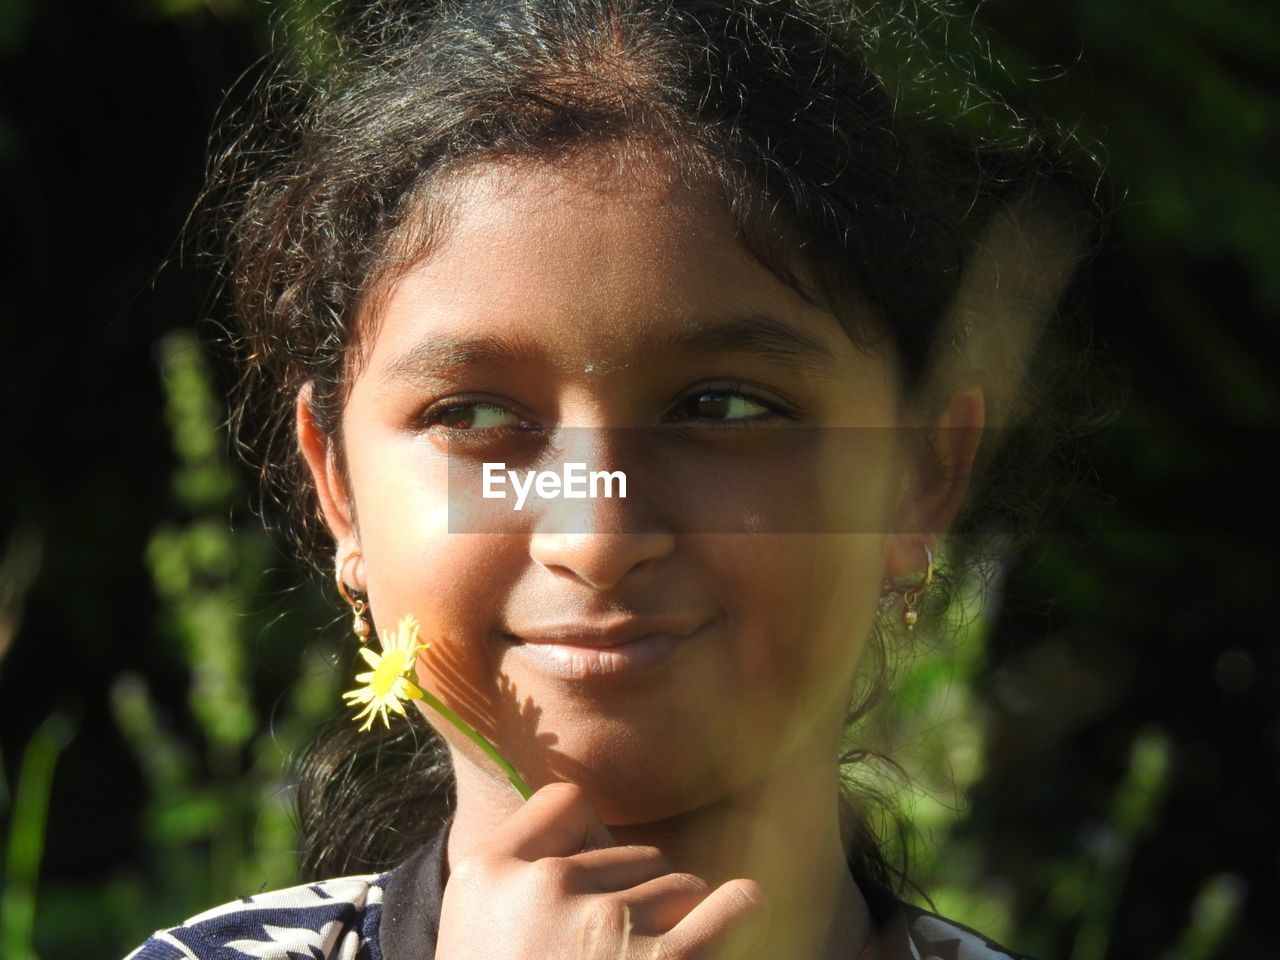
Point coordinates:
[[633, 805], [634, 783]]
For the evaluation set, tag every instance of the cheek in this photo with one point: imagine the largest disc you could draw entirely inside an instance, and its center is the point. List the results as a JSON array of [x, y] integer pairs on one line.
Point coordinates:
[[803, 609], [414, 565], [808, 600], [402, 520]]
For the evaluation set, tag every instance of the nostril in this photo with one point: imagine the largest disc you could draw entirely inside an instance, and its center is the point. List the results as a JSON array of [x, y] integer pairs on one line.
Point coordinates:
[[600, 560]]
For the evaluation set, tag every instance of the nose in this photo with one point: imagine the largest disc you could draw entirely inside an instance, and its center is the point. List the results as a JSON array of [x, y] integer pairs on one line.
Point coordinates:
[[599, 540], [599, 560]]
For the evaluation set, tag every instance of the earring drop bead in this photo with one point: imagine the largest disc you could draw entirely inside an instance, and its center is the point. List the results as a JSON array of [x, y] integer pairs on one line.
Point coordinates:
[[361, 627], [911, 598]]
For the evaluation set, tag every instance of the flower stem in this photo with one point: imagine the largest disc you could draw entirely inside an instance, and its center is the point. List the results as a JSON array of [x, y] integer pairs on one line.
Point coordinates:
[[479, 740]]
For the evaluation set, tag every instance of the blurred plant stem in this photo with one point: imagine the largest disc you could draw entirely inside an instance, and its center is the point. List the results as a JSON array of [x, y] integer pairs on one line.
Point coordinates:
[[1133, 812], [28, 805], [18, 569], [1213, 915], [27, 833]]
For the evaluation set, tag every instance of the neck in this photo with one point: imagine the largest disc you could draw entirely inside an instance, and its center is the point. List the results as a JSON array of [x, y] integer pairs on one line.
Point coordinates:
[[783, 833]]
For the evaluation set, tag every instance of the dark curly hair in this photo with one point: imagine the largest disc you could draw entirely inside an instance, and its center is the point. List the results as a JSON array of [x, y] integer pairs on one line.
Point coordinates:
[[849, 150]]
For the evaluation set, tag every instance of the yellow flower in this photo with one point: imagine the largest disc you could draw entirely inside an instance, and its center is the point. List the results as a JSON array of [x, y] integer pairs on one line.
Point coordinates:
[[390, 681]]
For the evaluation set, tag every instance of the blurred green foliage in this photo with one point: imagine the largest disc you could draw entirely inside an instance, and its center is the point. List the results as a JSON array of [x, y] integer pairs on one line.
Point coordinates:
[[27, 821], [217, 820], [231, 809]]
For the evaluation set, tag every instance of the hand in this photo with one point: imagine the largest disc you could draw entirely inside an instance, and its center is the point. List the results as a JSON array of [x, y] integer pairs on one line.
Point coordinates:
[[550, 883]]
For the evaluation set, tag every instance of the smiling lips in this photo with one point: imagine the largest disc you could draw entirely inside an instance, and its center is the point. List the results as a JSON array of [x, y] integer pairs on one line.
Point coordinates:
[[613, 633], [601, 650]]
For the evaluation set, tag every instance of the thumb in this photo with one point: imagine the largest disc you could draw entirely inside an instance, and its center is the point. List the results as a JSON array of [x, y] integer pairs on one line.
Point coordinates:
[[558, 820]]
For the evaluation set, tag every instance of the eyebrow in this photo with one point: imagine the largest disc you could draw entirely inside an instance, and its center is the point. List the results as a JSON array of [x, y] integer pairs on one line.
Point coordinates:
[[753, 333]]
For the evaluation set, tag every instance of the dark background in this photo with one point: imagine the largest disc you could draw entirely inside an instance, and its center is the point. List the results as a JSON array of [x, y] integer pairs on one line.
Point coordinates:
[[1126, 693]]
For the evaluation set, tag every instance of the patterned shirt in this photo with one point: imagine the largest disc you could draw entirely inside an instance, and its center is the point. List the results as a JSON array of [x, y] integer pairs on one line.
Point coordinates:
[[396, 916]]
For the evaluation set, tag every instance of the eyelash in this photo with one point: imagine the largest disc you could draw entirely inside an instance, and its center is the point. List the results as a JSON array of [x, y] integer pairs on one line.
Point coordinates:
[[775, 410]]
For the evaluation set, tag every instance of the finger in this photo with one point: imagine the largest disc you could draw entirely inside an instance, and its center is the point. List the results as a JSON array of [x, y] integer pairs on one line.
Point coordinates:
[[557, 821], [611, 869], [660, 904], [731, 922]]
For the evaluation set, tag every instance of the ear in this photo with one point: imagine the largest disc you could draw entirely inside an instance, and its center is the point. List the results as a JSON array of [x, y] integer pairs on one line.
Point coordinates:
[[331, 489], [937, 481]]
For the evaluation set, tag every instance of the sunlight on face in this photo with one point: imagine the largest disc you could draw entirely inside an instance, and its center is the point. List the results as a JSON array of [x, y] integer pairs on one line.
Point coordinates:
[[578, 297]]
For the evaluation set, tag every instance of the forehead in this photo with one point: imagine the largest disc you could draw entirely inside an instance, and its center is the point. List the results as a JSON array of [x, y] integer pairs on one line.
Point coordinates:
[[594, 187], [591, 256], [594, 215]]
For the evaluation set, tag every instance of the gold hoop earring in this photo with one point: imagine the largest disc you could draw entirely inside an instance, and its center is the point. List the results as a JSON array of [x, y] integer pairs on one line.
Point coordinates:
[[360, 624], [911, 598]]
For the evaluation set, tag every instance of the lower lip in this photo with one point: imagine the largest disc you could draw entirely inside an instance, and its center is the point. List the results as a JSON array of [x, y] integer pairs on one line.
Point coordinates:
[[570, 661]]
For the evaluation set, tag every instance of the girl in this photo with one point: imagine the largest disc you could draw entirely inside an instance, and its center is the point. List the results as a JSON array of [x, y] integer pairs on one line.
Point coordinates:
[[707, 247]]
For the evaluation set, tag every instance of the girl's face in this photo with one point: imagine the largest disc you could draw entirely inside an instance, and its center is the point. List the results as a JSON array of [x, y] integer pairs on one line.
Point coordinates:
[[577, 296]]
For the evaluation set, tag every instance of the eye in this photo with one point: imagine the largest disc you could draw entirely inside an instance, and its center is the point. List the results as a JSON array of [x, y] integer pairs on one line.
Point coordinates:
[[473, 416], [727, 403], [479, 419]]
